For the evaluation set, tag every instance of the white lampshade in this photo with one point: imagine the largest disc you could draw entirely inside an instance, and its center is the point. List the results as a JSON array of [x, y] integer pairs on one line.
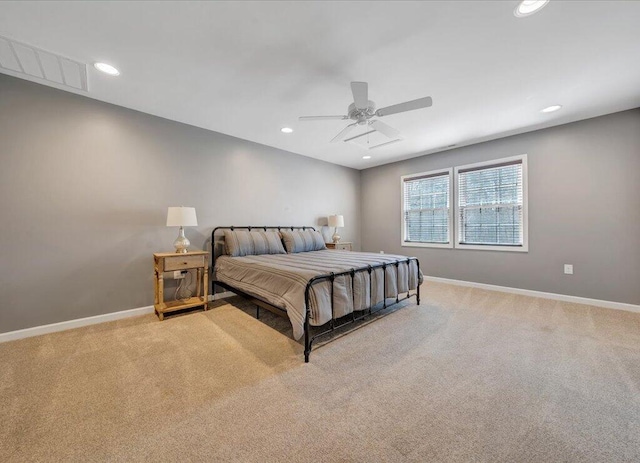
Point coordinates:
[[336, 221], [182, 217]]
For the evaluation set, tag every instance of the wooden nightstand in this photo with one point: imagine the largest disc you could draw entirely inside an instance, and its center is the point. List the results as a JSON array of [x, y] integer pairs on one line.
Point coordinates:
[[342, 245], [170, 261]]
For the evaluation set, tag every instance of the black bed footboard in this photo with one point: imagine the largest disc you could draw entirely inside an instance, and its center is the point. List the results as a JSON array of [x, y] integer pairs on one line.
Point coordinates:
[[330, 277]]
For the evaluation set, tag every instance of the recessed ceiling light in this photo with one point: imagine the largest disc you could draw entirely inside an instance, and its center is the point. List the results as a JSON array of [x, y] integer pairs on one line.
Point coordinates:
[[366, 157], [106, 68], [529, 7], [551, 109], [286, 130]]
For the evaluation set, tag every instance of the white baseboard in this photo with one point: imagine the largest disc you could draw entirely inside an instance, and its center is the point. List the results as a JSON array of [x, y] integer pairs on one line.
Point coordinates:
[[216, 296], [543, 295], [77, 323], [67, 325]]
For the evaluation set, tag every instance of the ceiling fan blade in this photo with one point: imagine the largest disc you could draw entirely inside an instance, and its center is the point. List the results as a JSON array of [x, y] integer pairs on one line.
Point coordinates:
[[344, 133], [359, 135], [385, 129], [322, 118], [385, 144], [406, 106], [360, 92]]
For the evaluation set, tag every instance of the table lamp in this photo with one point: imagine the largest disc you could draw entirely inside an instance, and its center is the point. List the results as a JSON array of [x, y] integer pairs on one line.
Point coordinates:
[[336, 221], [181, 217]]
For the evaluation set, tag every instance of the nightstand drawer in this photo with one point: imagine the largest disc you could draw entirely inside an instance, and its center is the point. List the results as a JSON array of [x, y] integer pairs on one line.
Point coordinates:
[[342, 246], [180, 262]]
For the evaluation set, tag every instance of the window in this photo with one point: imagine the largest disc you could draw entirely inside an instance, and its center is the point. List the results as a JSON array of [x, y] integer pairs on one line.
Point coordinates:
[[492, 205], [426, 209]]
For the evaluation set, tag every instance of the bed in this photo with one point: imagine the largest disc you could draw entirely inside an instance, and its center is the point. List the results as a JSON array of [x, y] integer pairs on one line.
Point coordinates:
[[289, 271]]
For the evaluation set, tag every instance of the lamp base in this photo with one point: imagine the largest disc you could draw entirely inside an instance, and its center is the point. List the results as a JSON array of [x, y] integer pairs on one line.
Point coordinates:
[[336, 238], [181, 243]]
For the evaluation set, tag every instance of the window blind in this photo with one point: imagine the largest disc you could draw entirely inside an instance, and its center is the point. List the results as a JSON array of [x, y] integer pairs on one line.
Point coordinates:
[[490, 201], [426, 209]]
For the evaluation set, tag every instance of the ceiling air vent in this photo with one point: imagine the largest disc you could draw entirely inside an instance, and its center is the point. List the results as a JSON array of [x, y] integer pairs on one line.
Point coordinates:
[[22, 60]]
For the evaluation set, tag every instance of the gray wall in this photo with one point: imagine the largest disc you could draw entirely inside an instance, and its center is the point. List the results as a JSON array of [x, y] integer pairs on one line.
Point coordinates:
[[85, 186], [84, 193], [584, 209]]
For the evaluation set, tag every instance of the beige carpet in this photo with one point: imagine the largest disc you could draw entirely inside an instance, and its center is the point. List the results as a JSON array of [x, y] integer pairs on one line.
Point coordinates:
[[470, 375]]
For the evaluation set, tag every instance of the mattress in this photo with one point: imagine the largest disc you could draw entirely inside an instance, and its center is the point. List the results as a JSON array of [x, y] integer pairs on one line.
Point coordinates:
[[281, 280]]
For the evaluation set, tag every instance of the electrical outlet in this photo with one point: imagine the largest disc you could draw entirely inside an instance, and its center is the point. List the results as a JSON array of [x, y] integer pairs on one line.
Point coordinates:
[[177, 274], [568, 269], [381, 252]]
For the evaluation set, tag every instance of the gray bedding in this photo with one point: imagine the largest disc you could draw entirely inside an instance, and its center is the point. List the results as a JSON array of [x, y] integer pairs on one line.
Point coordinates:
[[281, 279]]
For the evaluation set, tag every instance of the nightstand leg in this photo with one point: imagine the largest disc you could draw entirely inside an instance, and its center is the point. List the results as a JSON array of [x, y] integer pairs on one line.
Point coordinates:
[[160, 293], [205, 284], [198, 281]]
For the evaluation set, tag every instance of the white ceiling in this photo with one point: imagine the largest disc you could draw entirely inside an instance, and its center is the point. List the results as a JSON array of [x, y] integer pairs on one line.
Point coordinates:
[[249, 68]]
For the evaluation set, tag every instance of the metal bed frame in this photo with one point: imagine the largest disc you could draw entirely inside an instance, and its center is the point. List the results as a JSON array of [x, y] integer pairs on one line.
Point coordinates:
[[309, 338]]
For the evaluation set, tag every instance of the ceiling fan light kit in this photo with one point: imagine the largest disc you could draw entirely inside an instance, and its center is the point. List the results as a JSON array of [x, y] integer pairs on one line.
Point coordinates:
[[363, 110]]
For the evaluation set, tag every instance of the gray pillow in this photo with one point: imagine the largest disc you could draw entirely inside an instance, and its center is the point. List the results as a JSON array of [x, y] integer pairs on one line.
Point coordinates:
[[302, 240], [239, 243]]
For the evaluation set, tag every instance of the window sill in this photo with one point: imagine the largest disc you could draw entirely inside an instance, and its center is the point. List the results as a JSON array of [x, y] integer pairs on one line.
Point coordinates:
[[480, 247], [410, 244]]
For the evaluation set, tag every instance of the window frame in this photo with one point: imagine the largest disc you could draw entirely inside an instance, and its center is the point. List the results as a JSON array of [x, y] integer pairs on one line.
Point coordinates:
[[525, 206], [418, 244]]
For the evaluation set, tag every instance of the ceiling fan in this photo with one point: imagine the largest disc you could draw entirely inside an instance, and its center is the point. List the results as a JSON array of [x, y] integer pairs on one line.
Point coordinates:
[[363, 110]]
